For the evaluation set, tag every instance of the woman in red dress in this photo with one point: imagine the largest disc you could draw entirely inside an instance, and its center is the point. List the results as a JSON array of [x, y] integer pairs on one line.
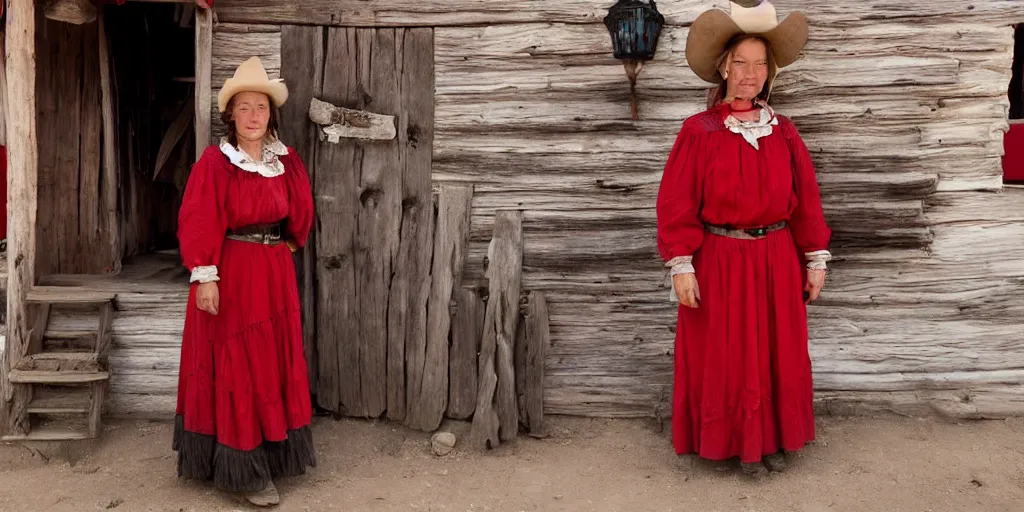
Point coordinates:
[[740, 224], [244, 409]]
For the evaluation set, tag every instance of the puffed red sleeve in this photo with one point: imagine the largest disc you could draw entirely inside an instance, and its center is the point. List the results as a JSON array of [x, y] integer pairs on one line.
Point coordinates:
[[300, 200], [680, 230], [202, 223], [807, 222]]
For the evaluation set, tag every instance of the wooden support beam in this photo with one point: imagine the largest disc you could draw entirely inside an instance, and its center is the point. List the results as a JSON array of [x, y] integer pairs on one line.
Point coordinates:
[[204, 80], [111, 178], [22, 165]]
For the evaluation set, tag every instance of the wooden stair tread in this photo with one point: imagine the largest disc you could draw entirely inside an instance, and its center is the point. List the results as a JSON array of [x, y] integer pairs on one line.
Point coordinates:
[[65, 402], [49, 433], [67, 295], [63, 356], [60, 361], [55, 377], [54, 334]]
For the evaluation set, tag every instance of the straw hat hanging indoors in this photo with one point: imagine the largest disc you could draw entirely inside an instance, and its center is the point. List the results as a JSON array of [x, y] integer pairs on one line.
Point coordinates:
[[251, 76], [712, 30]]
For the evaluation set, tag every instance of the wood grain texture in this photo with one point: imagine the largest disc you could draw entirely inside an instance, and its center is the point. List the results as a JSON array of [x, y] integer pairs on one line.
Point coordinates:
[[384, 13], [467, 332], [497, 415], [22, 189], [531, 356], [205, 102], [302, 58], [450, 247], [410, 286], [336, 197], [110, 174]]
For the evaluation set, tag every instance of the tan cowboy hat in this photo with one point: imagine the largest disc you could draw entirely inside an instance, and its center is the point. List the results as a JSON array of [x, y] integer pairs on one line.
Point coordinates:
[[713, 29], [251, 76]]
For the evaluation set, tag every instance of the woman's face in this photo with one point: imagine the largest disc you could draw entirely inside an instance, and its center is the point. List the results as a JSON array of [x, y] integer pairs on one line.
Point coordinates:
[[748, 70], [251, 114]]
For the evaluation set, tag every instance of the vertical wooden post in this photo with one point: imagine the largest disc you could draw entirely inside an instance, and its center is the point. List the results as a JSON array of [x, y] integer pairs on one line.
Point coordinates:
[[111, 178], [22, 151], [204, 80]]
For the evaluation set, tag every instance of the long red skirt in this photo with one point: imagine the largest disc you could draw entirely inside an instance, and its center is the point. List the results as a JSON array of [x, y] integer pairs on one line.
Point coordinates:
[[742, 369], [244, 408]]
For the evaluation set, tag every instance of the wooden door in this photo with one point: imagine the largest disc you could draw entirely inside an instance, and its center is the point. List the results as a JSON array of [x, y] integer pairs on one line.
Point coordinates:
[[365, 275]]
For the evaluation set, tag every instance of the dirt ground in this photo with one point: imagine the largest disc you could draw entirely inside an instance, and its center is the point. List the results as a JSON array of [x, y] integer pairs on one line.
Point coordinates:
[[857, 464]]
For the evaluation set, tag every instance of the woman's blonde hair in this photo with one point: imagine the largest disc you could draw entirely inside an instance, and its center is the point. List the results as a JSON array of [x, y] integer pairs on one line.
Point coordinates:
[[717, 93]]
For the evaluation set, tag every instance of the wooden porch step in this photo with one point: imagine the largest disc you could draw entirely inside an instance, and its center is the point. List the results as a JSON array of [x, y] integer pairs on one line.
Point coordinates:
[[49, 433], [60, 362], [55, 377], [54, 334], [67, 295], [64, 401]]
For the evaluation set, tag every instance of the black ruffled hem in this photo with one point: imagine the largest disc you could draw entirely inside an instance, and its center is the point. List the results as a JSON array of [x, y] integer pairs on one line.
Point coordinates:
[[200, 457]]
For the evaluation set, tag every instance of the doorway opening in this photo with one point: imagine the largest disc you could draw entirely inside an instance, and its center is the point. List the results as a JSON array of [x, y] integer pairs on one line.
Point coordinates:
[[153, 67]]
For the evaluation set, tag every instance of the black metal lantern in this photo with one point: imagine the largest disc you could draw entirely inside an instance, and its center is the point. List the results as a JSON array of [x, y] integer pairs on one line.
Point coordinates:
[[634, 26]]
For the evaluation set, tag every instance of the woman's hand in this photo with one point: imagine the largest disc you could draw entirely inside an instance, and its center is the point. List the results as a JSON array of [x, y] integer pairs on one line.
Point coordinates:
[[815, 281], [208, 297], [686, 289]]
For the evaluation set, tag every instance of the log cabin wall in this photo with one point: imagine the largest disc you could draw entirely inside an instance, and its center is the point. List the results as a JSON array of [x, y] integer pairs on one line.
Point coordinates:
[[902, 104]]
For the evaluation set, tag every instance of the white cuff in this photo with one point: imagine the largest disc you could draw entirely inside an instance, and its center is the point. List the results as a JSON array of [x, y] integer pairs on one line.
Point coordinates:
[[204, 274], [680, 265], [817, 260]]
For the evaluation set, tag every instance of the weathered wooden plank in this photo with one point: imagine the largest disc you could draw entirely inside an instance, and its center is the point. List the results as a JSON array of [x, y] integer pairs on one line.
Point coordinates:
[[336, 185], [302, 64], [496, 416], [410, 286], [59, 91], [95, 419], [450, 247], [991, 12], [384, 13], [204, 82], [531, 354], [22, 177], [111, 176], [467, 331], [338, 122], [89, 222], [379, 213]]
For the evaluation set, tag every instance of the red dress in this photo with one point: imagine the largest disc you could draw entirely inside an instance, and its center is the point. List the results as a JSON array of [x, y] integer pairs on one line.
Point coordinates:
[[742, 382], [244, 408]]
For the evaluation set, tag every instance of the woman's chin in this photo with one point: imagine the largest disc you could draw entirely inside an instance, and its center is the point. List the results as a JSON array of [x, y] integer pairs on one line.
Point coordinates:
[[250, 135]]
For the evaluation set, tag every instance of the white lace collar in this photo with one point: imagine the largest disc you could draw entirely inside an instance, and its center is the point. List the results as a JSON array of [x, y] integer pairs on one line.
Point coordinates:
[[754, 130], [269, 166]]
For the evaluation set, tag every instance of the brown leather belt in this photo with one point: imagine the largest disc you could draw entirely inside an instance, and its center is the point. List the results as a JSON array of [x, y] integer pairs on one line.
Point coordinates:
[[744, 234], [266, 234]]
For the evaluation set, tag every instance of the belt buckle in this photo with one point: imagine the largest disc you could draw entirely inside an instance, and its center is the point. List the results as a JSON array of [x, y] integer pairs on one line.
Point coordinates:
[[265, 238], [756, 232]]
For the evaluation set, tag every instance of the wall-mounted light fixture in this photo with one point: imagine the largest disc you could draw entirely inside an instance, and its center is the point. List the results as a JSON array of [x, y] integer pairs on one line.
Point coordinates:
[[634, 26]]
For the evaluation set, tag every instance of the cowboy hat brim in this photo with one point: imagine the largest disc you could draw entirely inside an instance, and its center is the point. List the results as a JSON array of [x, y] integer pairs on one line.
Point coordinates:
[[713, 29], [275, 89]]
